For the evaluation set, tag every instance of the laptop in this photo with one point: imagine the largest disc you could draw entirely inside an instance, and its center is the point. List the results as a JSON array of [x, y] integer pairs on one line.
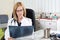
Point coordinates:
[[20, 31]]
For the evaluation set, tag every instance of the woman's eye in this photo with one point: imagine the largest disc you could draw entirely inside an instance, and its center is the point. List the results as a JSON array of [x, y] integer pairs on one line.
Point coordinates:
[[19, 10]]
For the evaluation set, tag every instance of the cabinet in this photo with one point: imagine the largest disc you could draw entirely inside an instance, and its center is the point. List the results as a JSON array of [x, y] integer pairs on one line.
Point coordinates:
[[46, 23]]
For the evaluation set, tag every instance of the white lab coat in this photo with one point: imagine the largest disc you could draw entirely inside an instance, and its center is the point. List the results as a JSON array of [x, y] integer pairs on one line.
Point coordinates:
[[24, 22]]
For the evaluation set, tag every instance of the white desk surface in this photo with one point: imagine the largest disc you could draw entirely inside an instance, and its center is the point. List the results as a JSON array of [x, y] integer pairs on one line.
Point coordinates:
[[38, 35]]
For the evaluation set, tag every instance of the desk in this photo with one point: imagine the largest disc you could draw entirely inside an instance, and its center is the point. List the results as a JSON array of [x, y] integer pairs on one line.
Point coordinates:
[[38, 35]]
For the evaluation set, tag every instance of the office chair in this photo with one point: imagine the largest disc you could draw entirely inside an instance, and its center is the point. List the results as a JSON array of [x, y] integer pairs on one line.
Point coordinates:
[[3, 23], [30, 14]]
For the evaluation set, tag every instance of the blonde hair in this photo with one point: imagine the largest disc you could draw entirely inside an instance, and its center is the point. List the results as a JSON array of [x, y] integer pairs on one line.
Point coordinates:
[[15, 7]]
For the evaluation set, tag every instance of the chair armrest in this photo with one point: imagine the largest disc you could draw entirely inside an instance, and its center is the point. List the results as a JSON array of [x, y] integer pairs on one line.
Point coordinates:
[[1, 33]]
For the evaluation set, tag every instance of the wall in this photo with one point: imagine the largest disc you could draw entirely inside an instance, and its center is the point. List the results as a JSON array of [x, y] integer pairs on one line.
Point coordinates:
[[6, 7], [51, 5], [38, 6]]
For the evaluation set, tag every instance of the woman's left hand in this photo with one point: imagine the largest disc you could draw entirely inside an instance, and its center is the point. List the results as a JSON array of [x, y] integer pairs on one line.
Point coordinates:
[[10, 38]]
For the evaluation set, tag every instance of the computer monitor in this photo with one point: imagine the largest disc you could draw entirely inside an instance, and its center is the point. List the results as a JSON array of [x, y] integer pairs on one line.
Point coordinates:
[[20, 31]]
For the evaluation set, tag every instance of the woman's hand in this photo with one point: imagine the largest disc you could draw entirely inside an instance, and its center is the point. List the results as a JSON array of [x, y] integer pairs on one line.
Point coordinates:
[[10, 38]]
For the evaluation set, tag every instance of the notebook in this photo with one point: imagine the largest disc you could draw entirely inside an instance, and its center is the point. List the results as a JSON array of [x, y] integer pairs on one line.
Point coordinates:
[[20, 31]]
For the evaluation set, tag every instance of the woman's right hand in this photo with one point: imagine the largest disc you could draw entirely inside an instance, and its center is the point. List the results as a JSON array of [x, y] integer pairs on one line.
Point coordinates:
[[10, 38]]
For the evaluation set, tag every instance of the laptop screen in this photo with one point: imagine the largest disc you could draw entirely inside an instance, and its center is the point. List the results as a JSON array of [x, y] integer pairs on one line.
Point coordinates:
[[20, 31]]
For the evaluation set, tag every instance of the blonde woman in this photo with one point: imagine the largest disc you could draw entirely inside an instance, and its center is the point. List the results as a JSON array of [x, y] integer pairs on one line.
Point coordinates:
[[19, 19]]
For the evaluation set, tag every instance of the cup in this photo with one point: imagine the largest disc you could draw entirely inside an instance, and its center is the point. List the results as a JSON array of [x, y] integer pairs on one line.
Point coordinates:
[[47, 33]]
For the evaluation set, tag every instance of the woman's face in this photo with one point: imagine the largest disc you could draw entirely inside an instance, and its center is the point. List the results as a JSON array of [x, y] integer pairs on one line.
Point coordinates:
[[19, 12]]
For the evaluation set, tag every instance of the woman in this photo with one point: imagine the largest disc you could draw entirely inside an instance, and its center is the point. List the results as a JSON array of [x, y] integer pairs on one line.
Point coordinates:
[[19, 19]]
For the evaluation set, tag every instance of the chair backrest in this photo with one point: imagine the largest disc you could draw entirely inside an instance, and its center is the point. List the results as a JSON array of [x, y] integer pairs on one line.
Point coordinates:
[[3, 21], [30, 14]]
